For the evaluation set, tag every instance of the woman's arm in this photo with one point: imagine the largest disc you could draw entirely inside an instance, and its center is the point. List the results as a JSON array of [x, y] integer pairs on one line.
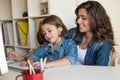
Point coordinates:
[[103, 53]]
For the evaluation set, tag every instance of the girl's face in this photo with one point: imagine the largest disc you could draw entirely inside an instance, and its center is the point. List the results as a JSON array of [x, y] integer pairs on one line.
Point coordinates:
[[83, 21], [52, 33]]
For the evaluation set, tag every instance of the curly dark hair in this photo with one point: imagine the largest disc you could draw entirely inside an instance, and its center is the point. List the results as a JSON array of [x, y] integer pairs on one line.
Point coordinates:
[[99, 20]]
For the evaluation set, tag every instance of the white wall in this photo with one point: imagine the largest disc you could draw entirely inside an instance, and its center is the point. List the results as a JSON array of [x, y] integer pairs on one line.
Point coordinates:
[[65, 10], [112, 8]]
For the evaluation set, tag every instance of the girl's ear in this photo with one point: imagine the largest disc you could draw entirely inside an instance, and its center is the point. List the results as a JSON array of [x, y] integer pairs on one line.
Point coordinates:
[[60, 29]]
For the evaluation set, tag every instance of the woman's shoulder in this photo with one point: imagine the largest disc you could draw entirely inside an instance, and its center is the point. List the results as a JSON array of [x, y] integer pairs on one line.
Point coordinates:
[[72, 29], [103, 45], [99, 42], [72, 32]]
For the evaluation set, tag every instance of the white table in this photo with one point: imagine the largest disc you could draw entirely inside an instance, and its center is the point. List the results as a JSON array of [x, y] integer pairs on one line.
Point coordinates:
[[83, 73], [10, 76], [75, 73]]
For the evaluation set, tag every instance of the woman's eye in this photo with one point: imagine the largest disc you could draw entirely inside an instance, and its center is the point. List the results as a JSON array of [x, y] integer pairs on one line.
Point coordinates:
[[84, 18], [77, 17]]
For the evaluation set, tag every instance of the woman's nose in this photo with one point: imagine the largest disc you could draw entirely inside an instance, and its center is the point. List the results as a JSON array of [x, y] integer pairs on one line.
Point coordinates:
[[79, 20]]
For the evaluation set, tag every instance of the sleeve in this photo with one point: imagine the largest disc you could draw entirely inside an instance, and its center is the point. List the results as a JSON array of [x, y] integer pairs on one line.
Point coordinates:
[[103, 53], [71, 52], [39, 53]]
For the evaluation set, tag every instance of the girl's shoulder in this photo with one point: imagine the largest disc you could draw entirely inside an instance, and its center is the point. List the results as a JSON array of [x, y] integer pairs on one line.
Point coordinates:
[[67, 42]]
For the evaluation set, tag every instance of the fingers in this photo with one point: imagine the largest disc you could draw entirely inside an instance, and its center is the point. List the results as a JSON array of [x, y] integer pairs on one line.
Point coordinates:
[[10, 55], [23, 63], [36, 64], [14, 56]]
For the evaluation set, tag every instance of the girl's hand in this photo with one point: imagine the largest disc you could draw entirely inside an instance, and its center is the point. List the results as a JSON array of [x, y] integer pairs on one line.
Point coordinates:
[[14, 56], [44, 65], [24, 63], [36, 64]]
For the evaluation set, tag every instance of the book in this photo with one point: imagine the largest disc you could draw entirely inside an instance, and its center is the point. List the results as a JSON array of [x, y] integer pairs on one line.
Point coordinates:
[[16, 65], [17, 34], [9, 49], [10, 33], [23, 32], [5, 34]]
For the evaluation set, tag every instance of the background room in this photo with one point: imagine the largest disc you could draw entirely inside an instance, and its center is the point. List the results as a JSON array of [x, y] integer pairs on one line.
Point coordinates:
[[15, 15]]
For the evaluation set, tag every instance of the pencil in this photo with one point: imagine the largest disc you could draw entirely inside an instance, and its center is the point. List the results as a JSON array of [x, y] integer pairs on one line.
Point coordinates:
[[30, 67], [30, 70], [45, 61], [41, 65]]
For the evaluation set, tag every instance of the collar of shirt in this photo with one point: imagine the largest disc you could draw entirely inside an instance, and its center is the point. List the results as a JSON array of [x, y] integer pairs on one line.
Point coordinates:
[[61, 43]]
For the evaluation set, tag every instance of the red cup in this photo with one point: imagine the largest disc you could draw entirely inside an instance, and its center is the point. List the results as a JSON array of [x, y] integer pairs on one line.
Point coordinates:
[[26, 76]]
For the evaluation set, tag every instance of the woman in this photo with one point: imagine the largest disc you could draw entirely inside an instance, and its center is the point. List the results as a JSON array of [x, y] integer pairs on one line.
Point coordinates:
[[93, 34]]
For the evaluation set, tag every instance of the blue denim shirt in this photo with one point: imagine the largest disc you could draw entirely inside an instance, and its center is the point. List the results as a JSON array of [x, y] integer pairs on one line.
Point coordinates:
[[66, 49], [97, 51]]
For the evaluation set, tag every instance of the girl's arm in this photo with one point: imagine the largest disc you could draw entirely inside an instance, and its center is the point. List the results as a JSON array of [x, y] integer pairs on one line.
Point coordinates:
[[59, 62]]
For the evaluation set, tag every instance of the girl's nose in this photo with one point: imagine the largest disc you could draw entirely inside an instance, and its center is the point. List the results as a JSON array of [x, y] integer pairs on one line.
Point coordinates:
[[47, 34]]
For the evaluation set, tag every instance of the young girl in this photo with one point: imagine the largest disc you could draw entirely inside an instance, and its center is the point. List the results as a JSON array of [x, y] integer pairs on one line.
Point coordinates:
[[57, 47]]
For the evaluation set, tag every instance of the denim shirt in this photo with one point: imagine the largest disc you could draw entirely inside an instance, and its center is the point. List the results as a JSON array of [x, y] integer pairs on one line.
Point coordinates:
[[97, 51], [66, 49]]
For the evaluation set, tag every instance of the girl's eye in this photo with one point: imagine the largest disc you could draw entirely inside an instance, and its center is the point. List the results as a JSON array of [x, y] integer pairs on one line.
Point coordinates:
[[44, 33], [49, 30]]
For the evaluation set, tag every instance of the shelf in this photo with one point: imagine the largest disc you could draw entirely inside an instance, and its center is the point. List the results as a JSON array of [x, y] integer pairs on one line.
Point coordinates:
[[6, 20], [5, 10], [44, 8], [31, 13], [18, 8]]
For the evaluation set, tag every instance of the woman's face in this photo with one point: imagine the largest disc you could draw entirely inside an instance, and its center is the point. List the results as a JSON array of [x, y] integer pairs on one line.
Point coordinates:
[[83, 21], [51, 33]]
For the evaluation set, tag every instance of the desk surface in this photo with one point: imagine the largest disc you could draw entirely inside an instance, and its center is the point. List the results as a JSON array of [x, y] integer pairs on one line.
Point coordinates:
[[75, 73]]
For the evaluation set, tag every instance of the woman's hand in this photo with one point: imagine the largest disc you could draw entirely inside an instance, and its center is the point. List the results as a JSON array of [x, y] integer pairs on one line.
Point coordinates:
[[14, 56]]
